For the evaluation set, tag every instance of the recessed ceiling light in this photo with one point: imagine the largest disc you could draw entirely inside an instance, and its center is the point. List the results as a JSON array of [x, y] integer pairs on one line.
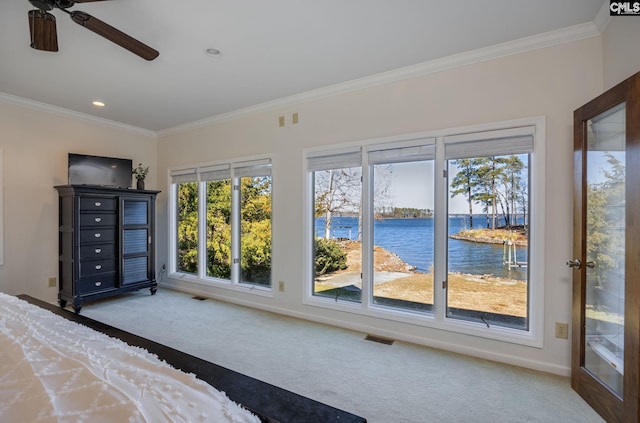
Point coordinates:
[[214, 52], [98, 104]]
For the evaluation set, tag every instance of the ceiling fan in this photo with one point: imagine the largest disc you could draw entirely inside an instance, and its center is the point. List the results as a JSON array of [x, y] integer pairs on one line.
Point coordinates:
[[42, 25]]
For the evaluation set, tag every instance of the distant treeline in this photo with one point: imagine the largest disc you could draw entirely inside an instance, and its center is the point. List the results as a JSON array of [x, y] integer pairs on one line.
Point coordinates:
[[404, 213]]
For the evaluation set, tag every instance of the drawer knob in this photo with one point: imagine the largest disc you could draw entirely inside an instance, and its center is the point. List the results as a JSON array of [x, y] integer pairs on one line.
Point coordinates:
[[98, 219], [98, 283], [98, 250], [98, 266], [98, 235], [98, 203]]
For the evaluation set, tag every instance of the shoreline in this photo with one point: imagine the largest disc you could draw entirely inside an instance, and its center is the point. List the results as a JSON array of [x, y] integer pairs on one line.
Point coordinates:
[[386, 261], [486, 240], [397, 280]]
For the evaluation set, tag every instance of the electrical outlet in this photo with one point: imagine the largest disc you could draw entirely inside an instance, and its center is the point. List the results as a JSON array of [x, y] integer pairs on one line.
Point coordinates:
[[294, 118], [281, 286], [52, 282], [562, 330], [281, 121]]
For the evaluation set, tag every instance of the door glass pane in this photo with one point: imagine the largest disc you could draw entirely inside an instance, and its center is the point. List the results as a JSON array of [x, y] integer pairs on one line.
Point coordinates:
[[255, 211], [487, 247], [338, 234], [605, 192], [403, 235]]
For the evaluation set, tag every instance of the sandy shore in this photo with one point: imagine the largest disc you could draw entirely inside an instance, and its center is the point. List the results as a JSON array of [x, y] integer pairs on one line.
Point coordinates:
[[395, 279]]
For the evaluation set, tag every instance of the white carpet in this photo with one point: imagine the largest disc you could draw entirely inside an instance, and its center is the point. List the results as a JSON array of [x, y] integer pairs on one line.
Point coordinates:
[[398, 383]]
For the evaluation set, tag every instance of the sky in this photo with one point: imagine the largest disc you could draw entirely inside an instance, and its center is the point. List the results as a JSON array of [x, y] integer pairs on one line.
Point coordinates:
[[412, 186]]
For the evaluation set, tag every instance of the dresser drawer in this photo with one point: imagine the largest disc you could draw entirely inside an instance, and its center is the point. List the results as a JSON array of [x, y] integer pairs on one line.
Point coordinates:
[[97, 204], [97, 219], [96, 284], [97, 252], [95, 235], [96, 267]]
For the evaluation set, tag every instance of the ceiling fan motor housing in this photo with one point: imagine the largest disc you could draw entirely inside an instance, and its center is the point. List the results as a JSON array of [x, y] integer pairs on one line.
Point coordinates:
[[63, 4], [43, 4], [50, 4]]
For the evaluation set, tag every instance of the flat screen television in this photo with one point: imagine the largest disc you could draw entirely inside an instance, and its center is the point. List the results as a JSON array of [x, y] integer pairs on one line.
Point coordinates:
[[102, 171]]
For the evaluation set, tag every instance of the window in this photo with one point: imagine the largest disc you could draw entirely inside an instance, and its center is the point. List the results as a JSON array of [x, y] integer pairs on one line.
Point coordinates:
[[223, 219], [402, 197], [217, 180], [337, 190], [186, 221], [433, 230], [488, 226], [254, 184]]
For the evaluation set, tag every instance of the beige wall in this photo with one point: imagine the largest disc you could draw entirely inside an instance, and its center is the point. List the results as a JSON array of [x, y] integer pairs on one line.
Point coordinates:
[[35, 145], [621, 49], [550, 82]]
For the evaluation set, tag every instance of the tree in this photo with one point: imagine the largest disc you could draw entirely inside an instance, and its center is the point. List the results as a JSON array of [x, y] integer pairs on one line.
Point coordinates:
[[510, 178], [507, 186], [487, 171], [187, 227], [605, 214], [465, 182], [329, 257], [381, 188], [337, 190], [522, 200], [219, 229], [494, 182], [255, 228], [255, 256]]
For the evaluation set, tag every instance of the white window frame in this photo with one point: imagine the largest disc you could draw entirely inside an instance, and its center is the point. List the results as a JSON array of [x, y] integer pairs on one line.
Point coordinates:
[[236, 169], [534, 335]]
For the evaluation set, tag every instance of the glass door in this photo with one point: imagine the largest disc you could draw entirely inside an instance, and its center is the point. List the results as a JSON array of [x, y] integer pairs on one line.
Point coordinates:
[[605, 248], [604, 345]]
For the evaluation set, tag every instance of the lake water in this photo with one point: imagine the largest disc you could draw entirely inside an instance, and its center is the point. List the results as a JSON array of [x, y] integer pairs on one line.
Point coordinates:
[[412, 241]]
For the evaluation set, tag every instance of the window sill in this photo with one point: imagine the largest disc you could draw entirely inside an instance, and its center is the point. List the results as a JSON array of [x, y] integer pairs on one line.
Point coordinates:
[[223, 284], [427, 319]]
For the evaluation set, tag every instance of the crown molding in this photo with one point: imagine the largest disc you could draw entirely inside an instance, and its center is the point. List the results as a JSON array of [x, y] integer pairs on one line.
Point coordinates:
[[603, 17], [534, 42], [60, 111]]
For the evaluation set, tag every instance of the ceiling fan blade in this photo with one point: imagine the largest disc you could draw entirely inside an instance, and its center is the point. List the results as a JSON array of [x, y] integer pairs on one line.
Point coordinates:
[[42, 27], [86, 1], [115, 35]]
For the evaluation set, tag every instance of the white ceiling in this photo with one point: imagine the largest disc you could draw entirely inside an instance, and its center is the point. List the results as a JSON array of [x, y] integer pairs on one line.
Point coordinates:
[[270, 49]]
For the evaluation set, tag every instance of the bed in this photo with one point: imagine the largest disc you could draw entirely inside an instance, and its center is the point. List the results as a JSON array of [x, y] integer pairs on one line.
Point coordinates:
[[58, 366]]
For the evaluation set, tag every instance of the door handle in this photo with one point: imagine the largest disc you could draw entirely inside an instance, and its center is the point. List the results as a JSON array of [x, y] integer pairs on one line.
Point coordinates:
[[590, 264], [575, 263]]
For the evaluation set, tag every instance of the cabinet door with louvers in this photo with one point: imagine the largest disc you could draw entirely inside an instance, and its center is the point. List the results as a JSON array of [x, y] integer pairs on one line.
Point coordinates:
[[136, 240]]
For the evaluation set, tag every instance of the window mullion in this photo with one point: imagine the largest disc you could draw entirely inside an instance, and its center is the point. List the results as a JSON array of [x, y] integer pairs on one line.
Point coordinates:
[[367, 233], [236, 221], [440, 233], [202, 229]]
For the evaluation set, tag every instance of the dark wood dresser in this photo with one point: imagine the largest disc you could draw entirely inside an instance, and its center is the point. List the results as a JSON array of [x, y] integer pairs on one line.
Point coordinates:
[[106, 242]]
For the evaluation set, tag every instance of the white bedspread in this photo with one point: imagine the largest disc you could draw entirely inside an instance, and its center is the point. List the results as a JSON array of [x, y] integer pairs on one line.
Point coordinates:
[[55, 370]]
